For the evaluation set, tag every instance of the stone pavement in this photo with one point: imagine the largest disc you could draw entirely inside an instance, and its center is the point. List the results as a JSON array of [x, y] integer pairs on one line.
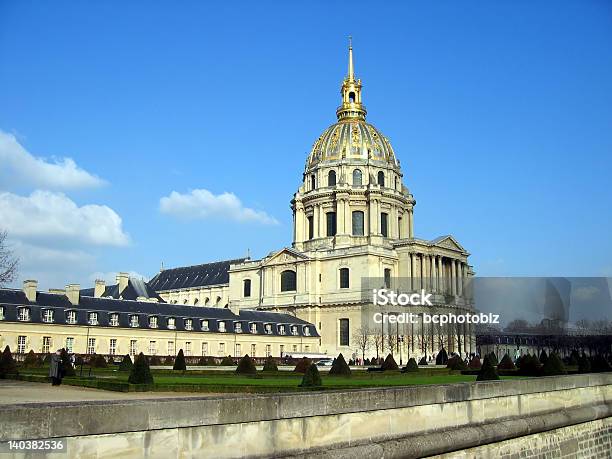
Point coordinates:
[[17, 392]]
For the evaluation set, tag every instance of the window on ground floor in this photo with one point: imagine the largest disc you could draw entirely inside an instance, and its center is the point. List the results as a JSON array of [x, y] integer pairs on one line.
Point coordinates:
[[112, 346], [344, 332], [46, 344], [21, 344]]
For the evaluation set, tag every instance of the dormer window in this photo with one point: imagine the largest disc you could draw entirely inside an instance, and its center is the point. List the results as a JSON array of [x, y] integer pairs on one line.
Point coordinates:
[[268, 328], [204, 324], [113, 319], [47, 316], [222, 326], [281, 330], [253, 328], [153, 322], [23, 314], [134, 321], [92, 318], [71, 317], [306, 331], [294, 330], [171, 323], [188, 324], [238, 327]]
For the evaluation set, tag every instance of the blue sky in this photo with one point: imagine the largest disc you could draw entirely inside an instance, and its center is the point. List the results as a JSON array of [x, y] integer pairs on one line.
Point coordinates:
[[500, 112]]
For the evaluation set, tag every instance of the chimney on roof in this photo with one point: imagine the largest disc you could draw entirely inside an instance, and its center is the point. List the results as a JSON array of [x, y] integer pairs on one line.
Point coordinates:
[[73, 292], [99, 288], [122, 281], [57, 291], [29, 288]]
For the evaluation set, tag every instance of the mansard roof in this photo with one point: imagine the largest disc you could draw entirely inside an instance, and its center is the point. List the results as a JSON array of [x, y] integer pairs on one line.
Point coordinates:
[[193, 276], [136, 288], [11, 300]]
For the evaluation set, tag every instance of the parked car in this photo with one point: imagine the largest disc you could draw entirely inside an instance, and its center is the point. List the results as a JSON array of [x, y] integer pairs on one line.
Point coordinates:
[[325, 362]]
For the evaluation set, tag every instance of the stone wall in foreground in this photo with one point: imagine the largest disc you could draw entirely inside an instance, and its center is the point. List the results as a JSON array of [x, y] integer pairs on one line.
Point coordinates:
[[541, 417]]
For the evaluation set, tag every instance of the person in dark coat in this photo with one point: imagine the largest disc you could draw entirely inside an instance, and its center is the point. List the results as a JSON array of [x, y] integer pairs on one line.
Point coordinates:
[[56, 372]]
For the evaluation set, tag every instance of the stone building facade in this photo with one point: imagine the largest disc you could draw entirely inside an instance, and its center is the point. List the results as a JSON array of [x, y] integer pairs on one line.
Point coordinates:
[[353, 222]]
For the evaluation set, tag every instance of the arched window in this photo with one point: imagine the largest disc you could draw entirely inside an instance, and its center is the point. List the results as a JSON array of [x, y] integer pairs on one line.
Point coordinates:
[[331, 178], [218, 302], [396, 184], [344, 278], [331, 223], [352, 97], [185, 301], [313, 182], [288, 281], [387, 278], [357, 223], [246, 288], [206, 301], [357, 178], [196, 301], [381, 178], [384, 224]]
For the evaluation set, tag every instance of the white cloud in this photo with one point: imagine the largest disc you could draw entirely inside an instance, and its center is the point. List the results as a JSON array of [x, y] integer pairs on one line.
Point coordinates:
[[202, 204], [18, 166], [52, 217]]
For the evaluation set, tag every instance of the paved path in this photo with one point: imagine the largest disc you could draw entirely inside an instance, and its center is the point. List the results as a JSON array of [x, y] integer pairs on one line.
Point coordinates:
[[14, 392]]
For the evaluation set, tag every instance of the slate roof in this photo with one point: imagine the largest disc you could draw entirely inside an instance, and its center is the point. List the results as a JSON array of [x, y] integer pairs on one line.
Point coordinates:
[[193, 276], [135, 288], [11, 300]]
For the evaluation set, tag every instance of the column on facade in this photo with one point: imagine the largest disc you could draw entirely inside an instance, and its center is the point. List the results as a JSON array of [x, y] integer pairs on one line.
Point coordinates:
[[412, 272], [427, 283], [453, 277], [434, 273], [340, 216], [299, 222], [441, 283], [348, 218], [460, 277], [322, 222], [315, 221], [410, 223]]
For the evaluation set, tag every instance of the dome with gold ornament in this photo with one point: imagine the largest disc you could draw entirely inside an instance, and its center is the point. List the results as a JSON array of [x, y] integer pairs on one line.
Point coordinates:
[[351, 138]]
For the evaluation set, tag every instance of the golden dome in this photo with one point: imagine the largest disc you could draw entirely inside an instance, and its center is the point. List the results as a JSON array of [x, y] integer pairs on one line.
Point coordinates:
[[352, 140]]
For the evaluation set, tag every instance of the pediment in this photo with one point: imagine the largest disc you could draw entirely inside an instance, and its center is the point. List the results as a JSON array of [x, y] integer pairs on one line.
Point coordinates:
[[285, 255], [448, 242]]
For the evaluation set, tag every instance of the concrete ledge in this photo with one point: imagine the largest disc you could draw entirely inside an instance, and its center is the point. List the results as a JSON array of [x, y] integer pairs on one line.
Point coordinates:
[[449, 440], [49, 420]]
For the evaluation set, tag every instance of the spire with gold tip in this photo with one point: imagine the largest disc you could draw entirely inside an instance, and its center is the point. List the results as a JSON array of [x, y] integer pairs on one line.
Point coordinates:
[[351, 107]]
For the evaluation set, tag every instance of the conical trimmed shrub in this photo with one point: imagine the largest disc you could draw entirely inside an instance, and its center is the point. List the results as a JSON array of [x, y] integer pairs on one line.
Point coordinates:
[[340, 367], [411, 366], [553, 366], [311, 378], [98, 361], [488, 371], [126, 364], [456, 363], [67, 367], [543, 357], [506, 363], [573, 358], [141, 373], [7, 364], [442, 357], [227, 361], [475, 363], [179, 362], [270, 364], [530, 366], [246, 366], [584, 364], [423, 361], [32, 360], [493, 359], [389, 364], [302, 365]]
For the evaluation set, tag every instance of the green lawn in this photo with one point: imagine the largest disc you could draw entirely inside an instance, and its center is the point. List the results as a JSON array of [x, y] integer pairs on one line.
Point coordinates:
[[227, 381]]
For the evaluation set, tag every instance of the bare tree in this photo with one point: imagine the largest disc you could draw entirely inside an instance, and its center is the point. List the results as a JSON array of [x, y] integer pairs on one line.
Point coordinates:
[[363, 339], [8, 262], [378, 339]]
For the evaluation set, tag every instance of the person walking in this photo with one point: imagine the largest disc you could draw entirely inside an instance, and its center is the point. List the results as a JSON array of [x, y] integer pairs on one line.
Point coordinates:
[[55, 368]]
